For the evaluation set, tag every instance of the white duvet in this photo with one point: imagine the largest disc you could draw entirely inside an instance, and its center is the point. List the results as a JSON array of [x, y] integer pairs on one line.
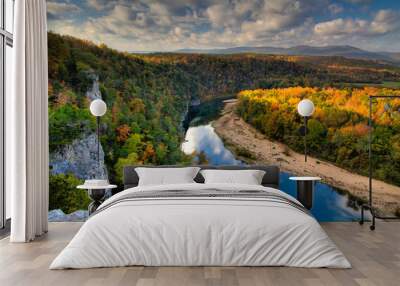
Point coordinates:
[[200, 231]]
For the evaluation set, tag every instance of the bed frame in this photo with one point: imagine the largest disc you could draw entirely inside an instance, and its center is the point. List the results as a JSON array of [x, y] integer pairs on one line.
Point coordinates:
[[270, 179]]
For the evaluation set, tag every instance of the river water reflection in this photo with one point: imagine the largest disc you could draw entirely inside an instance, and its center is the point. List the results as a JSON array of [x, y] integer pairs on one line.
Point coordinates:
[[329, 204], [204, 139]]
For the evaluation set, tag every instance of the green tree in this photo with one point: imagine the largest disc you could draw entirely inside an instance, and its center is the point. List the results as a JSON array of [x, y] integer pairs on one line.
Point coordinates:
[[64, 195], [132, 159]]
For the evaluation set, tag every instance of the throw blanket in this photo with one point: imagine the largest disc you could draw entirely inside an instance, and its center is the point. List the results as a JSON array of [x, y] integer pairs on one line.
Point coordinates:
[[205, 194]]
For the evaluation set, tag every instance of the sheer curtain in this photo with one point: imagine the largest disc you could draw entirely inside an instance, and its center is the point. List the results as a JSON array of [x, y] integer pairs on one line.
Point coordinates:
[[27, 123]]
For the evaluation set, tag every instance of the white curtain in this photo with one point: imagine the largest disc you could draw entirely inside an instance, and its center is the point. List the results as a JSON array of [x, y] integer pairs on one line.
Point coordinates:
[[27, 123]]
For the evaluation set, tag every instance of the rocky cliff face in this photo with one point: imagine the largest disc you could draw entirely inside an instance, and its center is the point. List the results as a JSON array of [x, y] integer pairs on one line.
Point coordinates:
[[58, 215], [94, 92], [80, 157]]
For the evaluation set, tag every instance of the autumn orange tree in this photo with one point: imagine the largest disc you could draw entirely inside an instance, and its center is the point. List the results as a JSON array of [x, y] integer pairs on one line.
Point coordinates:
[[338, 130]]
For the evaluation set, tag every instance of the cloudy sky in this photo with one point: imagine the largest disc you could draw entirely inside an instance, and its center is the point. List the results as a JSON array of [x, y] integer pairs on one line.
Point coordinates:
[[157, 25]]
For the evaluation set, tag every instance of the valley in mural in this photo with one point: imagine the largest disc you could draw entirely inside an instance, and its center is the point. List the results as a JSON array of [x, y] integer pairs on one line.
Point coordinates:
[[153, 98]]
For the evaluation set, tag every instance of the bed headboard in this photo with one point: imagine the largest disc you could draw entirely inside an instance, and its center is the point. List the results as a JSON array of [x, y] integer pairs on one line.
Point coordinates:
[[270, 179]]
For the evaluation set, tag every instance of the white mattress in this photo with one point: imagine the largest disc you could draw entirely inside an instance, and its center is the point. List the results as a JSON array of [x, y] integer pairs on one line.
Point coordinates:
[[200, 231]]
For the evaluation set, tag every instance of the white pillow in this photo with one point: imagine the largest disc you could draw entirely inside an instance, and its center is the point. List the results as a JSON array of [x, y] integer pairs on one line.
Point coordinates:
[[166, 176], [248, 177]]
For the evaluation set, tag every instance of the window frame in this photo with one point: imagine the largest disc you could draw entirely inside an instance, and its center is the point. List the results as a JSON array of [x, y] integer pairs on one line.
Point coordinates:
[[6, 39]]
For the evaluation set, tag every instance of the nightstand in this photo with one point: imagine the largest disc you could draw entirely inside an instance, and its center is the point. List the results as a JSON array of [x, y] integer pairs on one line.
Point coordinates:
[[305, 190], [96, 190]]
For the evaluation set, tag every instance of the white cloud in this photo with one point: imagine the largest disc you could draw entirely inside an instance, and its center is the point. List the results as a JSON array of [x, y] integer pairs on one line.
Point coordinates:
[[56, 9], [97, 4], [340, 27], [191, 23], [160, 25], [231, 14], [101, 5], [385, 21]]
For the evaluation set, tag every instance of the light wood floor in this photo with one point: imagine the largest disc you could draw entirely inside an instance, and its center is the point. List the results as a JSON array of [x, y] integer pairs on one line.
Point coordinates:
[[375, 257]]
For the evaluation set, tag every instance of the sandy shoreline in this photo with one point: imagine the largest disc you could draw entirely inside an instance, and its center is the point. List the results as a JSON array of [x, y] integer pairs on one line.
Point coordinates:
[[239, 134]]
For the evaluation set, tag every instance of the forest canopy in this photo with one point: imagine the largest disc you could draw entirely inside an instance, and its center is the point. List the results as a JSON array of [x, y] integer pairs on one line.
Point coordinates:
[[337, 131], [148, 98]]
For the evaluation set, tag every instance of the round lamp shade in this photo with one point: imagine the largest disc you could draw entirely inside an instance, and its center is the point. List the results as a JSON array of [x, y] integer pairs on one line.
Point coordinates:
[[305, 107], [98, 107]]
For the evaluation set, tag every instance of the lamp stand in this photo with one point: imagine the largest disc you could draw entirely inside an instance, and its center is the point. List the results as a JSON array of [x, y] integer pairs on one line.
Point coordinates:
[[98, 139], [305, 138], [369, 206]]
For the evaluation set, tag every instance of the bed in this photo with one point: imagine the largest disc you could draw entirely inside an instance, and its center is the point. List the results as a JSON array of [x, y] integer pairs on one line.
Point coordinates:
[[198, 224]]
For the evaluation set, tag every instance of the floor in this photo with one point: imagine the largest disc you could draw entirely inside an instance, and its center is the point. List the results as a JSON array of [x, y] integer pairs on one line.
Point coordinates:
[[375, 257]]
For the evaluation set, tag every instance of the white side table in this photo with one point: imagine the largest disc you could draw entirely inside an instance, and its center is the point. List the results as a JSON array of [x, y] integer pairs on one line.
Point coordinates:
[[96, 193], [305, 190]]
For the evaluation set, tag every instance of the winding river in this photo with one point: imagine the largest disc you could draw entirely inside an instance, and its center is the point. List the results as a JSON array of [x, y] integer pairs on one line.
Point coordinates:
[[330, 204]]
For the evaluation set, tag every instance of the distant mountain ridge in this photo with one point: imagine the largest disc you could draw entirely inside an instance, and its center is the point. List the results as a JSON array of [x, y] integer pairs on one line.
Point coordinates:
[[342, 51]]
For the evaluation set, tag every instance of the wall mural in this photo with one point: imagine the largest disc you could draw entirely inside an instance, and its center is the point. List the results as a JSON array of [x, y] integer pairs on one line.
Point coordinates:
[[218, 82]]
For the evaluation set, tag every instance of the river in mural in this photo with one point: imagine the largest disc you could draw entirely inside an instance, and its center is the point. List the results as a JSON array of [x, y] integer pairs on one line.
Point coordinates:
[[330, 204]]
